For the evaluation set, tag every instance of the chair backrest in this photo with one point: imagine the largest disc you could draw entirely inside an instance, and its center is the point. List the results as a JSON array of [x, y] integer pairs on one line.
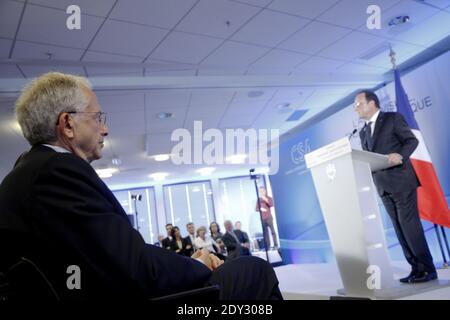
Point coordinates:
[[206, 294], [25, 281]]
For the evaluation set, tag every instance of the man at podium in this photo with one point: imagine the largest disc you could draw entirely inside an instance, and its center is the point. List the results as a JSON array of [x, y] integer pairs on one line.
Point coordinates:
[[389, 134]]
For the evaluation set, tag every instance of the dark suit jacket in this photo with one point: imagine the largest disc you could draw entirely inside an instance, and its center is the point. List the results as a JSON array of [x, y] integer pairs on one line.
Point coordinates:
[[190, 251], [233, 247], [167, 243], [184, 242], [57, 212], [392, 135], [243, 238]]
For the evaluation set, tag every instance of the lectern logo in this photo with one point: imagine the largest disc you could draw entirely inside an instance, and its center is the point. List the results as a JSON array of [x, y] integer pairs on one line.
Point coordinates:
[[331, 171], [299, 150]]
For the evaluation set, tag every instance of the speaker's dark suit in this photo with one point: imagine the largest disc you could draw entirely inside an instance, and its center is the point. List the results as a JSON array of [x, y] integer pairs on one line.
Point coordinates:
[[57, 212], [397, 186]]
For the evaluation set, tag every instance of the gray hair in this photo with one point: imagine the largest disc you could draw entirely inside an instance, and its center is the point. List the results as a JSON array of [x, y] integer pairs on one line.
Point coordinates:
[[44, 99]]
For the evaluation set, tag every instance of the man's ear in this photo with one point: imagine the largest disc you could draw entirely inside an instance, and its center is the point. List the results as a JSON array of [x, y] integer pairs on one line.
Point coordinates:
[[65, 125]]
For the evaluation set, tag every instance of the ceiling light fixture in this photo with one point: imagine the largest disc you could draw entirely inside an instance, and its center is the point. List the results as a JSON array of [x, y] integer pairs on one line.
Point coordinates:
[[106, 172], [399, 20], [206, 171], [164, 115], [236, 159], [159, 176], [161, 157]]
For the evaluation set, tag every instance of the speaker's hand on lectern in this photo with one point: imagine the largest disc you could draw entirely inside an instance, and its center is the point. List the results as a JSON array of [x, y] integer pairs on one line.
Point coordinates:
[[395, 159]]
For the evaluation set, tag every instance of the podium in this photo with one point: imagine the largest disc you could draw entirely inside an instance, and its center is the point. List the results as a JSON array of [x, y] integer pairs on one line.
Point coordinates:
[[347, 196]]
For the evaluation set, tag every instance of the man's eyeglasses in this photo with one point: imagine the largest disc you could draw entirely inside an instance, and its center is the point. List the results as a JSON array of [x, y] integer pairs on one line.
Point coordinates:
[[101, 116]]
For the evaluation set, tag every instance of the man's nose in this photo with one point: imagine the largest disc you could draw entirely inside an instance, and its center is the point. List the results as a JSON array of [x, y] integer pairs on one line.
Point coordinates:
[[104, 132]]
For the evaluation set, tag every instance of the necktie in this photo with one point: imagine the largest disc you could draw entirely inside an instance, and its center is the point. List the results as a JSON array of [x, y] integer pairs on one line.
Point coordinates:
[[368, 135]]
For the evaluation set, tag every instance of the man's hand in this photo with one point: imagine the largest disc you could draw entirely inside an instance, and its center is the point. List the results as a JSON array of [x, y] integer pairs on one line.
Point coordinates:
[[246, 245], [395, 159], [210, 260]]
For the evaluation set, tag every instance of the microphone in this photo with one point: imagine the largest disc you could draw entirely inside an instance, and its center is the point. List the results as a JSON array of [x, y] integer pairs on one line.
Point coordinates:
[[350, 135]]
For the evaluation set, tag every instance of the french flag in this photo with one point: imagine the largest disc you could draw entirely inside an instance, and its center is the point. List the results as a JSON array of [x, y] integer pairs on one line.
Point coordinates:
[[431, 200]]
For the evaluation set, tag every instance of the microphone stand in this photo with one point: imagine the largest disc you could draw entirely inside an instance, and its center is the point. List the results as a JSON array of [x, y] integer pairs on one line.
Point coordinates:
[[254, 178]]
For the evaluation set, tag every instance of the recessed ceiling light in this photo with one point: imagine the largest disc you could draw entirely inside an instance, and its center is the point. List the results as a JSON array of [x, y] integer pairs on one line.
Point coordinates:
[[116, 161], [158, 176], [236, 159], [399, 20], [161, 157], [106, 172], [282, 106], [164, 115], [206, 171]]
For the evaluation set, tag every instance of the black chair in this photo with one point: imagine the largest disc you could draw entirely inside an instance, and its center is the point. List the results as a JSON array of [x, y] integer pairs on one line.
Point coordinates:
[[24, 281], [206, 294]]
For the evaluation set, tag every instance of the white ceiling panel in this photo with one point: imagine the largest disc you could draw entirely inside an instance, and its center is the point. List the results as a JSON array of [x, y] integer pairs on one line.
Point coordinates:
[[97, 7], [119, 103], [357, 68], [234, 54], [5, 46], [29, 50], [127, 38], [207, 97], [48, 25], [417, 12], [260, 30], [160, 13], [184, 47], [245, 108], [200, 111], [280, 59], [166, 98], [308, 9], [125, 130], [251, 96], [439, 3], [351, 13], [126, 118], [307, 41], [93, 56], [32, 71], [210, 17], [243, 121], [10, 71], [431, 30], [207, 122], [403, 51], [318, 64], [9, 17], [258, 3], [115, 72], [158, 143], [352, 46]]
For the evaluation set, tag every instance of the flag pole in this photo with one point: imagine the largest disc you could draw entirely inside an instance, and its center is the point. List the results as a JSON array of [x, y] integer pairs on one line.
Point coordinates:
[[392, 55]]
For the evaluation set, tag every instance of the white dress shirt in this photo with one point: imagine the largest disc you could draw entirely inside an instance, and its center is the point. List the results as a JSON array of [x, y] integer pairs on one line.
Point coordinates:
[[372, 121]]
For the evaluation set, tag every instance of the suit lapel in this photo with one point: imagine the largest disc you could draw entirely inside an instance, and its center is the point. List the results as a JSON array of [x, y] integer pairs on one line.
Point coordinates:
[[378, 125]]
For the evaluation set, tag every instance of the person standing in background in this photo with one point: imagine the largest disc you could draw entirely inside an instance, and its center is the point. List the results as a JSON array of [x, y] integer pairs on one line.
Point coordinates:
[[265, 203]]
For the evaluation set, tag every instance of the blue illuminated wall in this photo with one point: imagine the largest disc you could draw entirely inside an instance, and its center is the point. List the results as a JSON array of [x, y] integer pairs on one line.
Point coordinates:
[[302, 231]]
